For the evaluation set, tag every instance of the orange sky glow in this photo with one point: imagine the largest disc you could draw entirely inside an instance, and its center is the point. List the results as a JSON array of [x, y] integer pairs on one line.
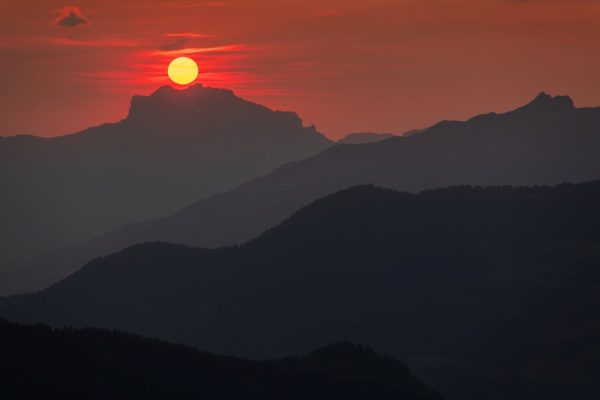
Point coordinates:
[[344, 65]]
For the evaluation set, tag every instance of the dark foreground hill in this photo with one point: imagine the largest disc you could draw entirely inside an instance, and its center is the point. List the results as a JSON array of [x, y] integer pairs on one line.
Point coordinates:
[[545, 142], [41, 363], [485, 292], [174, 147]]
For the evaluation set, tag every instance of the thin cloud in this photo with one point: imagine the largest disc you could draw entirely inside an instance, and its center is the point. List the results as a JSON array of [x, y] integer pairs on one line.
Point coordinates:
[[70, 17], [176, 45], [188, 35], [91, 43], [214, 4], [218, 4], [226, 49], [36, 41]]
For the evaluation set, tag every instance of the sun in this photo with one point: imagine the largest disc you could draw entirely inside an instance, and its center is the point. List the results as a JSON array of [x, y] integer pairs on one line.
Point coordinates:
[[183, 70]]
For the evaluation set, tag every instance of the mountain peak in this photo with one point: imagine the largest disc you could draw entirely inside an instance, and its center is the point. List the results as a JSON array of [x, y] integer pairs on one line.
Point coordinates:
[[542, 96], [189, 92], [205, 111], [168, 104], [544, 101]]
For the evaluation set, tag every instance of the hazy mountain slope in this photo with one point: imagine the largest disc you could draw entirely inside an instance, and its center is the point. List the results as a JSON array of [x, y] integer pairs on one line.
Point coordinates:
[[545, 142], [173, 148], [475, 288], [38, 362], [364, 137]]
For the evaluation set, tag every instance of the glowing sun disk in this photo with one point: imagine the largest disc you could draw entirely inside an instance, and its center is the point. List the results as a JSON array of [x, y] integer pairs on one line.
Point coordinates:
[[183, 70]]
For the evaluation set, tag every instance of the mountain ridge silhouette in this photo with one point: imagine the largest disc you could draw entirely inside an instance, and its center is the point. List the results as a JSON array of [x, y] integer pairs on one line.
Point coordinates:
[[172, 149], [94, 363], [545, 142], [467, 285]]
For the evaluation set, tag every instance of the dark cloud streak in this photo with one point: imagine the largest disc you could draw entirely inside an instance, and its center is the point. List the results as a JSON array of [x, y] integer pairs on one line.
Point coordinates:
[[71, 17], [176, 45]]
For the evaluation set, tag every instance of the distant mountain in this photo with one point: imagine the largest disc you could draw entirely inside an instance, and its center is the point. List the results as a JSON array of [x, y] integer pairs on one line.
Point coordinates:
[[364, 137], [547, 141], [174, 147], [484, 292], [41, 363], [412, 132]]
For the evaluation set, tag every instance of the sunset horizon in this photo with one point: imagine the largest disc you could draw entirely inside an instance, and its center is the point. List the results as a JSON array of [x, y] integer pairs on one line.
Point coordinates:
[[184, 87], [300, 199], [387, 66]]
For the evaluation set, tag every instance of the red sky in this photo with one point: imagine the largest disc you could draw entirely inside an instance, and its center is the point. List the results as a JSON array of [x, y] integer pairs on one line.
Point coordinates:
[[344, 65]]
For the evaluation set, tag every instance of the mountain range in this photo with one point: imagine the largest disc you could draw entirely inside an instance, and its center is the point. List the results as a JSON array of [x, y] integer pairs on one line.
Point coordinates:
[[173, 148], [41, 363], [484, 292], [547, 141]]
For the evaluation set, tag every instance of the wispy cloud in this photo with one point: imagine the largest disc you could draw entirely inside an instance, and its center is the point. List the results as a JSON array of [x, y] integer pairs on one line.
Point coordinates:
[[92, 43], [197, 4], [188, 35], [230, 48], [176, 45], [218, 4], [37, 41]]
